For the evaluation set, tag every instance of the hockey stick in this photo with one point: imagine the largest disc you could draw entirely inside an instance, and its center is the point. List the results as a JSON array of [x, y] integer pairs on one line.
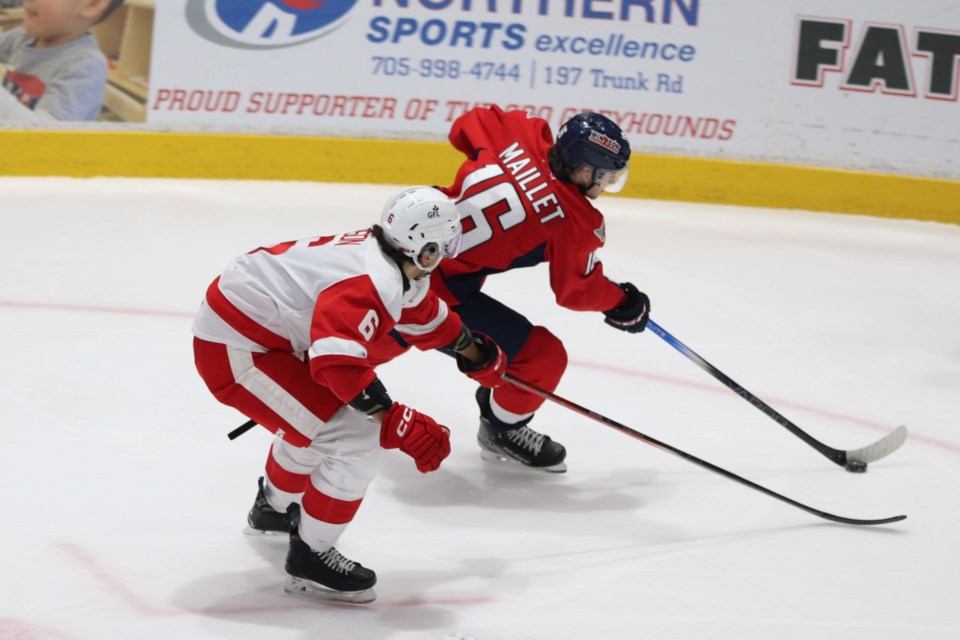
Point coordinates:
[[691, 458], [242, 429], [854, 460]]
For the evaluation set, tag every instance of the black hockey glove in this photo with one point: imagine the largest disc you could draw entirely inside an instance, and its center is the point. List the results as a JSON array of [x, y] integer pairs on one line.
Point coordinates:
[[632, 315]]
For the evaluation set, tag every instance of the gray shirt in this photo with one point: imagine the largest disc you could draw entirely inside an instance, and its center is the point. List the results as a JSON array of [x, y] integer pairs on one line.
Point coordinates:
[[65, 82]]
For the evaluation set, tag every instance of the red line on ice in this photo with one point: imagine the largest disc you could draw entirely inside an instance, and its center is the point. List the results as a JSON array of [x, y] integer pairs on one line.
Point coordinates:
[[14, 304], [115, 585], [942, 444]]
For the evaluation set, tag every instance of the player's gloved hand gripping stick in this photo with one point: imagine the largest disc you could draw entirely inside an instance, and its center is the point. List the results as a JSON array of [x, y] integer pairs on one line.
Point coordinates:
[[632, 315], [493, 364]]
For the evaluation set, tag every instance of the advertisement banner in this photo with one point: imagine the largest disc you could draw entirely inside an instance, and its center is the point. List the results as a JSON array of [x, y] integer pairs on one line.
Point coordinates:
[[867, 84], [390, 67]]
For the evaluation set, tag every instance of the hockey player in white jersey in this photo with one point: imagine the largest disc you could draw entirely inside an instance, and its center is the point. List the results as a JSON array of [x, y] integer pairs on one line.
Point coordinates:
[[285, 336]]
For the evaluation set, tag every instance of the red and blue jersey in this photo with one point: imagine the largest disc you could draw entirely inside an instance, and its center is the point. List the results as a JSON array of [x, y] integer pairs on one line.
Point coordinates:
[[516, 213]]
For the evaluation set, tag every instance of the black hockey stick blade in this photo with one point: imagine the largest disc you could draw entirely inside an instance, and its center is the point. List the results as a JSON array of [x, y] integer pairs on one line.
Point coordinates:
[[691, 458], [870, 453], [242, 429]]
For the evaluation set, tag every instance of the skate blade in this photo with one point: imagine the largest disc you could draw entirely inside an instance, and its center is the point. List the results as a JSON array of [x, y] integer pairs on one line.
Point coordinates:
[[250, 531], [490, 456], [310, 589]]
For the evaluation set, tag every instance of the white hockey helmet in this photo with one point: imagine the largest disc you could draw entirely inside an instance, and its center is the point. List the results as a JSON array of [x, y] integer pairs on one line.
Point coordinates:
[[423, 224]]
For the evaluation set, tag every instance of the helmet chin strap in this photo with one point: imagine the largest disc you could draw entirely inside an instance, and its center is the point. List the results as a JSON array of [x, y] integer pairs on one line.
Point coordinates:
[[595, 181], [582, 189]]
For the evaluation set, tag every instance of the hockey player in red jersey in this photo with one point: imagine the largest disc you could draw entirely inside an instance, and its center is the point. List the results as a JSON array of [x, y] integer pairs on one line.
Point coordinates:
[[524, 200], [287, 336]]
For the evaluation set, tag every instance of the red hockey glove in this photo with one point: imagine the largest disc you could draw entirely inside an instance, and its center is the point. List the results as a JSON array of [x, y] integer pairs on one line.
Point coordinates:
[[632, 315], [489, 371], [417, 435]]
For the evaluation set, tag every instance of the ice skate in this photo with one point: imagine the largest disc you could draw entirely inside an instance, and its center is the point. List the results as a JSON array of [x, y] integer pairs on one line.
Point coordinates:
[[327, 575], [520, 445], [265, 520]]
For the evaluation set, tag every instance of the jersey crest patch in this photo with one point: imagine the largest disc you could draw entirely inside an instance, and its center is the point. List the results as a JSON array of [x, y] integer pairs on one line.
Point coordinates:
[[601, 233]]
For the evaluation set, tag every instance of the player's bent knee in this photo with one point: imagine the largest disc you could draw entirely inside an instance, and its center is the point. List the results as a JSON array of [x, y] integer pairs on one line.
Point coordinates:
[[543, 355], [348, 475]]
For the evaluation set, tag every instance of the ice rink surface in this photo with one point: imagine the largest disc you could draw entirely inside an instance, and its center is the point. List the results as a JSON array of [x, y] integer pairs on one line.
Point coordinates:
[[123, 502]]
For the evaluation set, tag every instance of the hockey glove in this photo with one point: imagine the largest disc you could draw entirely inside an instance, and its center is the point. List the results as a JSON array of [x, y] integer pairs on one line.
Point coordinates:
[[632, 315], [489, 371], [417, 435]]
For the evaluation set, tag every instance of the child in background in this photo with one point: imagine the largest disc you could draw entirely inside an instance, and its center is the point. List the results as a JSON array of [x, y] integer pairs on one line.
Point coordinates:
[[55, 71]]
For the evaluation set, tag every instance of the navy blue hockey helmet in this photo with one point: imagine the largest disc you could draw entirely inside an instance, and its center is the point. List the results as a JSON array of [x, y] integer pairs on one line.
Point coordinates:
[[595, 140]]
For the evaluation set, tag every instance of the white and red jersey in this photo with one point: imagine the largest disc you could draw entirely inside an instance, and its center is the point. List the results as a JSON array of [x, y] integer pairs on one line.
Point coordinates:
[[516, 213], [328, 298]]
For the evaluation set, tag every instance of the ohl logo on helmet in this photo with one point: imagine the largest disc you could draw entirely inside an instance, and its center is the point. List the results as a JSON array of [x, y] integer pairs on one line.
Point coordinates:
[[265, 24]]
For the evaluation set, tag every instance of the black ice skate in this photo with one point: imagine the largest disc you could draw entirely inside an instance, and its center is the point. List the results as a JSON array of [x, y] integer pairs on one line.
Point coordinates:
[[265, 520], [327, 575], [520, 444]]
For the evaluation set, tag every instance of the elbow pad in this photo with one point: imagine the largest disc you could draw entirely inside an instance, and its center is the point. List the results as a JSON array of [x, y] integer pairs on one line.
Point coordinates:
[[372, 399]]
